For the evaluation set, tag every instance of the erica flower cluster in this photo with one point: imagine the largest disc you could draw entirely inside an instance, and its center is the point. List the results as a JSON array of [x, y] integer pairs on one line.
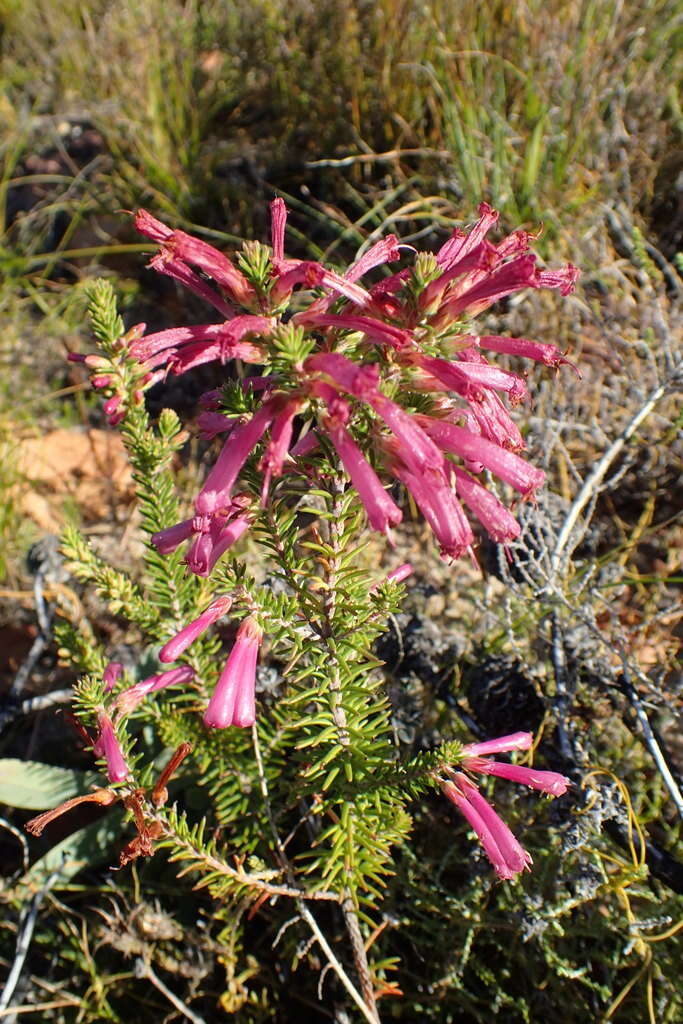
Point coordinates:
[[507, 855], [391, 375]]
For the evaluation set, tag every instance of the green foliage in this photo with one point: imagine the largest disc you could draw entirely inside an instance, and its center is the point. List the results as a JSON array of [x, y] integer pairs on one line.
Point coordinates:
[[255, 263], [237, 400], [121, 592], [105, 321], [289, 346]]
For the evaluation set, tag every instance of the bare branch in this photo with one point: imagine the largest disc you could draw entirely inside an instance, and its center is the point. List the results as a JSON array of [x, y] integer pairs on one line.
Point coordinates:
[[649, 737]]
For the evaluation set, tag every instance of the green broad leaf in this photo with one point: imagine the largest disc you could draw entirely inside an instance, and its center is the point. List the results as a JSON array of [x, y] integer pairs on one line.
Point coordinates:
[[100, 841], [34, 786]]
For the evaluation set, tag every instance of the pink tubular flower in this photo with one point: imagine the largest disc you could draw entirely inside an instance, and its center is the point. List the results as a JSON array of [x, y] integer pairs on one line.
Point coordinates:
[[305, 273], [152, 228], [384, 251], [414, 445], [347, 287], [166, 541], [382, 512], [564, 279], [108, 747], [506, 854], [462, 243], [375, 330], [179, 643], [153, 344], [400, 573], [218, 537], [494, 422], [278, 448], [212, 262], [360, 381], [509, 467], [278, 217], [288, 273], [234, 699], [220, 481], [211, 424], [111, 675], [313, 275], [183, 348], [177, 245], [179, 271], [499, 523], [212, 533], [466, 271], [129, 699], [510, 277], [463, 377], [440, 507], [550, 355], [513, 741], [475, 760], [547, 782]]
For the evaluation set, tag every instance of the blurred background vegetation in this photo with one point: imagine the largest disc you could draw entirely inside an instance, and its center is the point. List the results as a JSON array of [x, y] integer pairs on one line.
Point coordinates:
[[369, 117]]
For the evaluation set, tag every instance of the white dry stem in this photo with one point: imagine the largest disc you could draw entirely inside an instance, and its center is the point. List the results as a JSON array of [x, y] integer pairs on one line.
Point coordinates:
[[649, 737]]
